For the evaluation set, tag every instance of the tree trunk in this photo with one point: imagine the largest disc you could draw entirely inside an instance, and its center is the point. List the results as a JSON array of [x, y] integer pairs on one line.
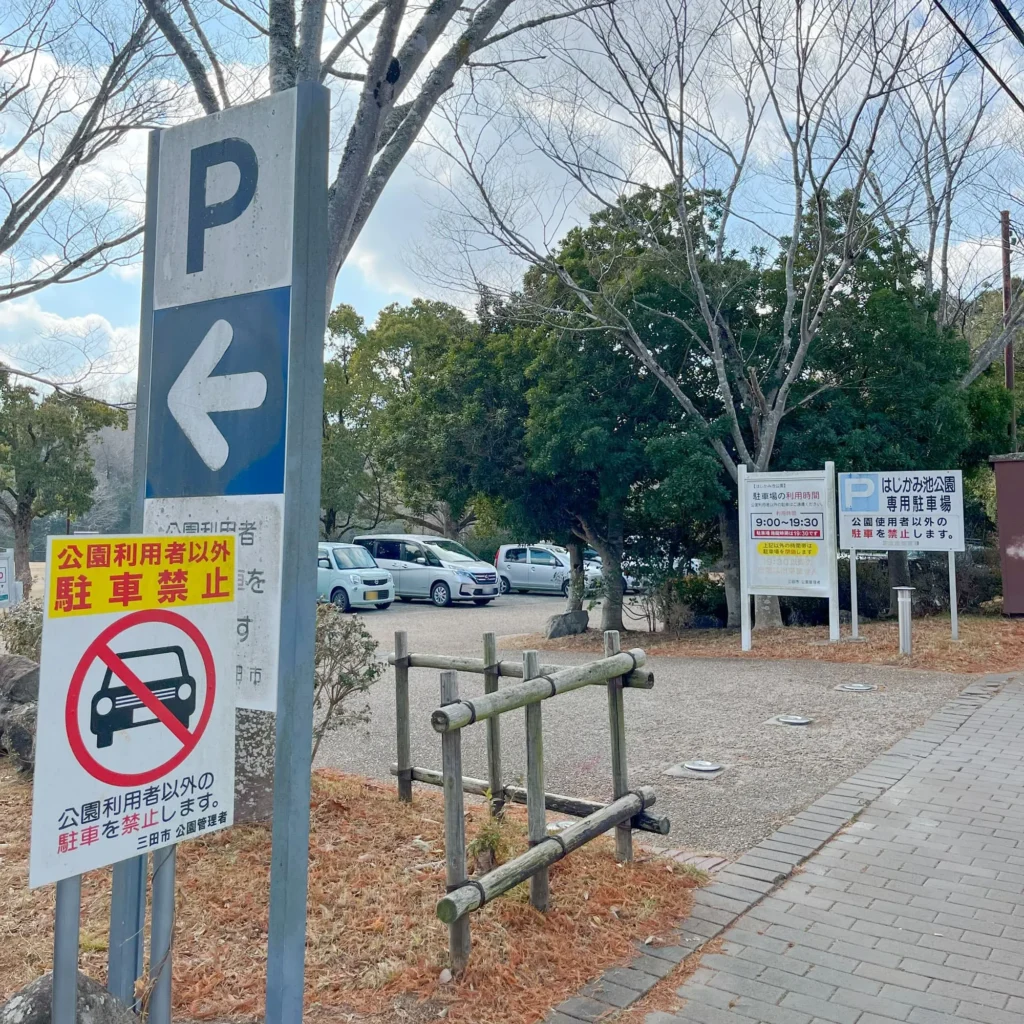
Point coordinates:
[[609, 545], [22, 536], [899, 576], [577, 581], [767, 614], [729, 534]]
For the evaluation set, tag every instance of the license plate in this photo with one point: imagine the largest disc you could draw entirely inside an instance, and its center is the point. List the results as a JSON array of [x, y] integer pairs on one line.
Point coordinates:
[[372, 595], [140, 715]]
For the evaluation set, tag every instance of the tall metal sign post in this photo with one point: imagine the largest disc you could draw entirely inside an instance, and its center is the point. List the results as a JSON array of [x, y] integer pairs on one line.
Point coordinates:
[[229, 427], [788, 540]]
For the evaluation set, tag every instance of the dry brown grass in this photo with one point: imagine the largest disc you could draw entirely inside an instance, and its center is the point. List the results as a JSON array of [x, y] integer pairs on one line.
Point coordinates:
[[375, 947], [987, 644]]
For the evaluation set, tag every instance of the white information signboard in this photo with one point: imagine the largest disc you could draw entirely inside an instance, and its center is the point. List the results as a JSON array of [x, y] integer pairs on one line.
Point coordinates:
[[903, 510], [7, 599], [135, 740], [918, 510], [788, 539]]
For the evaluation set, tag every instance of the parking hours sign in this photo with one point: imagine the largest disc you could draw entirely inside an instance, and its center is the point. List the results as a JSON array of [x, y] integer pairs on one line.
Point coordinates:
[[134, 749], [227, 291]]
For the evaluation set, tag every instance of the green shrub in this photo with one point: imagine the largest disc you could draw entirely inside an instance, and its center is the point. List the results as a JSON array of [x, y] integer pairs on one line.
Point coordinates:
[[21, 629]]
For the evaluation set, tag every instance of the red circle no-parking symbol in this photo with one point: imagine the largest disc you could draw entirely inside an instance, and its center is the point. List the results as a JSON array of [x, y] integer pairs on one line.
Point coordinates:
[[141, 677]]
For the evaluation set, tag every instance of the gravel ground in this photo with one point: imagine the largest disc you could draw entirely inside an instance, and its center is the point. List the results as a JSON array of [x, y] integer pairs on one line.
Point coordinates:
[[700, 708]]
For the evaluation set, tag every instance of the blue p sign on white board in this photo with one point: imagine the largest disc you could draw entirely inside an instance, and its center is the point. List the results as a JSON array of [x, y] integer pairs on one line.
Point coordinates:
[[858, 492]]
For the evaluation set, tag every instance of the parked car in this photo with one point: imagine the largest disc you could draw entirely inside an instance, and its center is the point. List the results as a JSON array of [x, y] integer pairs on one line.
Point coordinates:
[[433, 568], [630, 583], [540, 567], [348, 575]]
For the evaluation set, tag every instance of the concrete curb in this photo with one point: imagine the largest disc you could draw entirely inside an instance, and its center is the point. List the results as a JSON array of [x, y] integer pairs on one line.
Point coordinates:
[[742, 884]]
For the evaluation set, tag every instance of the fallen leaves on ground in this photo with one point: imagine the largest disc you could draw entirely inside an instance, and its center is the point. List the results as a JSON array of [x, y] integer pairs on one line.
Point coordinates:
[[986, 644], [375, 947]]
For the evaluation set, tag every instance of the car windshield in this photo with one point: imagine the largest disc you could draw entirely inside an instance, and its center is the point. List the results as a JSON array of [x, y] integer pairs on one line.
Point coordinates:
[[449, 551], [354, 557], [154, 665]]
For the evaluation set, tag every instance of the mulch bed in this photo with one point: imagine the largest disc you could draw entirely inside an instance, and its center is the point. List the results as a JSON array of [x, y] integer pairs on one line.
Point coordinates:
[[987, 644], [375, 948]]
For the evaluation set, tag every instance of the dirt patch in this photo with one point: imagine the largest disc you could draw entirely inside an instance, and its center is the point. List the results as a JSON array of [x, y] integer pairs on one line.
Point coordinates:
[[987, 644], [375, 948]]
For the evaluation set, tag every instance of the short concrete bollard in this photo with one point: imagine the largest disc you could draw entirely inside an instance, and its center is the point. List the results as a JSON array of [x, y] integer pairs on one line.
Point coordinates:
[[904, 608]]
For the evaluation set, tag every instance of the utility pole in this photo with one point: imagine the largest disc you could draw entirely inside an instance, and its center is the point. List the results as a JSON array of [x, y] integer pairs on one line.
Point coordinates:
[[1008, 353]]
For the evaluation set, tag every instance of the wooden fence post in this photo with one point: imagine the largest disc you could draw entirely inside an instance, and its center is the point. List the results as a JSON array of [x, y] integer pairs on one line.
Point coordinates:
[[454, 825], [402, 717], [536, 812], [494, 777], [620, 773]]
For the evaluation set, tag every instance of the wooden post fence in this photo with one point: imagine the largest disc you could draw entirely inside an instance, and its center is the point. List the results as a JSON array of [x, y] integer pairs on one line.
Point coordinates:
[[536, 812], [454, 826], [401, 659], [620, 774], [494, 776], [535, 683]]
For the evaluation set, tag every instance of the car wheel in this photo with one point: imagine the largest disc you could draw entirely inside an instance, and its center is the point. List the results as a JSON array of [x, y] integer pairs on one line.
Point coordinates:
[[340, 599], [565, 588], [384, 606], [441, 595], [481, 601], [407, 600], [104, 739], [504, 585]]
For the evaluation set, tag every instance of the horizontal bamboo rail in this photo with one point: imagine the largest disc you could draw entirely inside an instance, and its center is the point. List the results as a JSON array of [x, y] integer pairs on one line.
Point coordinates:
[[476, 893], [576, 806], [464, 712], [640, 679]]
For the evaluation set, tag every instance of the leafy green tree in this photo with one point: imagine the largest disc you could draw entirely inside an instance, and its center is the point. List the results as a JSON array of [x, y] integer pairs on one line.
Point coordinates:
[[355, 492], [45, 461]]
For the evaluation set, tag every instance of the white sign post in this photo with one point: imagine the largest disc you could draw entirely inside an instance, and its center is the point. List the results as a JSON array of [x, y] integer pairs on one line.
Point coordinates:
[[914, 510], [788, 540], [8, 597]]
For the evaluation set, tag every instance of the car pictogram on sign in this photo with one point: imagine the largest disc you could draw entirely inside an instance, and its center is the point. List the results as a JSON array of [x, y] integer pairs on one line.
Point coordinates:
[[165, 674]]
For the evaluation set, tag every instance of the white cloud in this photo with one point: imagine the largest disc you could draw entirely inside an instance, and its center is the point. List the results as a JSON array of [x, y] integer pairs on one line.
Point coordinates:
[[87, 350]]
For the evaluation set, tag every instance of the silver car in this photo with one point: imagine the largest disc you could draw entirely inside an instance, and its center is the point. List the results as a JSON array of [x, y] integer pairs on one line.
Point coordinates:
[[538, 567]]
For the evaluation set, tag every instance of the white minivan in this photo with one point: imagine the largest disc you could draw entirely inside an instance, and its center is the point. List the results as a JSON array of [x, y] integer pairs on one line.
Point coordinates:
[[432, 568]]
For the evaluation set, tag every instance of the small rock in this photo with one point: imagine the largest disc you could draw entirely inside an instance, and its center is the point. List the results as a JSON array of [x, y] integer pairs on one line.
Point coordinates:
[[421, 845], [445, 977], [19, 679], [95, 1004], [566, 624], [18, 732]]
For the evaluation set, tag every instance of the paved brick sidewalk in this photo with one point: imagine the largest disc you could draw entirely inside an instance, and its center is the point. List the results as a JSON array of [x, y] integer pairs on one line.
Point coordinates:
[[914, 913]]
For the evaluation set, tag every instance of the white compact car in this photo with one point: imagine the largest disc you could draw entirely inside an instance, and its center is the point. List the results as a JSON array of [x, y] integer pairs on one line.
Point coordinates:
[[432, 568], [540, 567], [348, 576]]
